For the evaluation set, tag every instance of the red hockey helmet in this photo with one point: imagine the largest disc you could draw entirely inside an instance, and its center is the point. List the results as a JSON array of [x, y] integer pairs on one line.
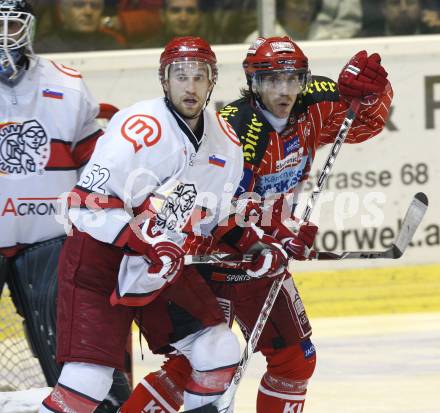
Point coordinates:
[[188, 49], [275, 54]]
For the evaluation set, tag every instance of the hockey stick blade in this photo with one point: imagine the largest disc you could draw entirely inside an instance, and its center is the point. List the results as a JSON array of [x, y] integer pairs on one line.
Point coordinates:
[[411, 221]]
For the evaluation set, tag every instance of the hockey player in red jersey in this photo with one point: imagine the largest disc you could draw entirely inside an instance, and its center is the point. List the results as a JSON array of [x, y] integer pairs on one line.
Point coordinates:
[[144, 194], [47, 134], [284, 116]]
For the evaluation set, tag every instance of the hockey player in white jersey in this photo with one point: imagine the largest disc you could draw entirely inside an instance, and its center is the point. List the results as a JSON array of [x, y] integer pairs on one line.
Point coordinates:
[[47, 133], [163, 175]]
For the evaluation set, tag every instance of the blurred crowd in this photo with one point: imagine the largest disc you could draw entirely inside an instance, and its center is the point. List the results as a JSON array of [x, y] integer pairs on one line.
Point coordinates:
[[86, 25]]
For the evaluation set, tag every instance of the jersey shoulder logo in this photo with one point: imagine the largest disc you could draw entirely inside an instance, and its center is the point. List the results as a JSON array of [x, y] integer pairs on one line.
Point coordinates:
[[24, 149]]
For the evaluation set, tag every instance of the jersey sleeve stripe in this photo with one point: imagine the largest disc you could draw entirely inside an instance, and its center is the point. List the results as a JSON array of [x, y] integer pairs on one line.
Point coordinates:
[[84, 198], [84, 148]]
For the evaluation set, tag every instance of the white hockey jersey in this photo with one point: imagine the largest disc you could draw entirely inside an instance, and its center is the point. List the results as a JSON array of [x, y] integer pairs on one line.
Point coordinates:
[[47, 131], [147, 158]]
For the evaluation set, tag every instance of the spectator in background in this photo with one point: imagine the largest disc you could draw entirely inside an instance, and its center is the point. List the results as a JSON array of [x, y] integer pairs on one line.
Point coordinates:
[[401, 17], [390, 17], [430, 17], [373, 22], [338, 19], [294, 19], [179, 18], [135, 20], [234, 20], [78, 28]]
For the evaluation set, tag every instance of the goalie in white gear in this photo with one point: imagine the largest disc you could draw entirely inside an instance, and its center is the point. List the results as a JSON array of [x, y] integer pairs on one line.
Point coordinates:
[[47, 133], [166, 169]]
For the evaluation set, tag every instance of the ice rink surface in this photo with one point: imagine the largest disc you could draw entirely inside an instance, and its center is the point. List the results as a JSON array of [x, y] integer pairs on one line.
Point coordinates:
[[380, 364]]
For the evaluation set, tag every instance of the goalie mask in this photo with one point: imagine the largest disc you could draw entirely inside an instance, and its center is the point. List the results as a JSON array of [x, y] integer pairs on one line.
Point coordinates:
[[17, 27], [275, 59]]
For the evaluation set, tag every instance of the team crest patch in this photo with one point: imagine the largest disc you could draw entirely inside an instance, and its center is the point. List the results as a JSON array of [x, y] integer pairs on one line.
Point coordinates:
[[24, 149], [177, 208]]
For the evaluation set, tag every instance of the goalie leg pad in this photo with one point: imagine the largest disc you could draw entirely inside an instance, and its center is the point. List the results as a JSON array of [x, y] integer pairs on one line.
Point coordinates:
[[162, 389], [33, 288], [283, 387], [80, 388]]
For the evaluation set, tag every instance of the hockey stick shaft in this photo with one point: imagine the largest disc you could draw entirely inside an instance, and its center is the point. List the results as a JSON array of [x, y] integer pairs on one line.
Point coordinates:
[[221, 405], [410, 223], [340, 138]]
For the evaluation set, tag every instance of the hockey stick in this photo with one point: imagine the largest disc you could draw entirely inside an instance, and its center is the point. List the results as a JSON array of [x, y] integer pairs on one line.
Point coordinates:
[[411, 221], [222, 404]]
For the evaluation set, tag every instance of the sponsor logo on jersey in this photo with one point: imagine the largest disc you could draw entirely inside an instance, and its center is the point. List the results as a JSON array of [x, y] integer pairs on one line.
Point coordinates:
[[24, 149], [24, 206], [217, 160], [320, 86], [291, 160], [293, 407], [152, 407], [292, 145], [250, 140], [280, 182], [47, 93], [141, 130], [308, 348], [232, 278]]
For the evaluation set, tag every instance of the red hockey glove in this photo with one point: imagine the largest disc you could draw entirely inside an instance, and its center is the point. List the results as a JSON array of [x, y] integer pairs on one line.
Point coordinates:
[[165, 260], [362, 76], [271, 259], [269, 263], [298, 246]]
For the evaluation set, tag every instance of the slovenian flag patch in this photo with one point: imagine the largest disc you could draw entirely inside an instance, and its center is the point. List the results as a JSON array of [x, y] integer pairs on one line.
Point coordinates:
[[217, 161], [47, 93]]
